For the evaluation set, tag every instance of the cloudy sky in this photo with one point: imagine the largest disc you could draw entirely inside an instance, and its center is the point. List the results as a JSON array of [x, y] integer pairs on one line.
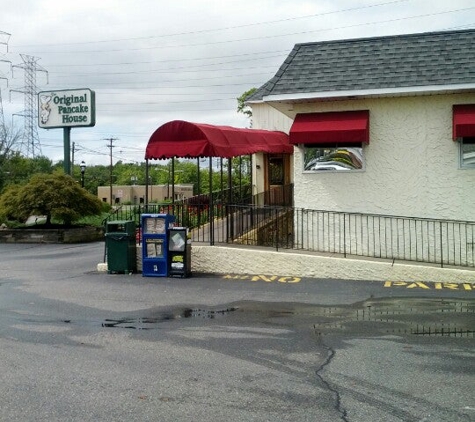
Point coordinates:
[[153, 61]]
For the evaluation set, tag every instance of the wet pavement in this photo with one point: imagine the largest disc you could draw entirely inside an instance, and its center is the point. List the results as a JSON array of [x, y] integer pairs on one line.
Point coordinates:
[[376, 317], [86, 346]]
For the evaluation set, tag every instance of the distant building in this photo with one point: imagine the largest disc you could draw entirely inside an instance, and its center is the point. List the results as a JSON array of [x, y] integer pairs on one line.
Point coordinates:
[[136, 194]]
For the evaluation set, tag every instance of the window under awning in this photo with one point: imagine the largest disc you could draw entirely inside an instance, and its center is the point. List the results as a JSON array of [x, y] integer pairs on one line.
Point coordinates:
[[184, 139], [332, 128], [464, 121]]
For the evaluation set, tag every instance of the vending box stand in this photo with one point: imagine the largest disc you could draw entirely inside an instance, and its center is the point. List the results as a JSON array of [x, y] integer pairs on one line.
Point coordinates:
[[179, 252], [155, 244]]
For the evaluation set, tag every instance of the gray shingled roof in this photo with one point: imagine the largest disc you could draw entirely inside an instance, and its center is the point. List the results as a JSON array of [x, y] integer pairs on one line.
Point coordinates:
[[414, 60]]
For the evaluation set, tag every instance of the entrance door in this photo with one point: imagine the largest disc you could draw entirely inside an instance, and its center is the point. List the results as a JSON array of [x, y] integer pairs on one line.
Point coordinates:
[[278, 179]]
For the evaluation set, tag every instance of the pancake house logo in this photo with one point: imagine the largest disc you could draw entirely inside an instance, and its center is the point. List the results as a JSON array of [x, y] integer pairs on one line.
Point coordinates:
[[67, 108]]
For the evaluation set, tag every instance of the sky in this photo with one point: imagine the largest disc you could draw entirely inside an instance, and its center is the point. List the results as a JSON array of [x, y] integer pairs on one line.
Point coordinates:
[[152, 61]]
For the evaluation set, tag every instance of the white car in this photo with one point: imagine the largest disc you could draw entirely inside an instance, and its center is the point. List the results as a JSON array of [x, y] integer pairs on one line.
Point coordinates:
[[325, 165]]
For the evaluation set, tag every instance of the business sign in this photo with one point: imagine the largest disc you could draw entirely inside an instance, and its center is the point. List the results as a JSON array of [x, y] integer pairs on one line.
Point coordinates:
[[66, 108]]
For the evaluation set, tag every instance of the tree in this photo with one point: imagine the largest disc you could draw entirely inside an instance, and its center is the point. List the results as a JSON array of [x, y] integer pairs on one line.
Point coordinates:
[[14, 167], [19, 169], [10, 138], [56, 196], [94, 177], [242, 107], [9, 202]]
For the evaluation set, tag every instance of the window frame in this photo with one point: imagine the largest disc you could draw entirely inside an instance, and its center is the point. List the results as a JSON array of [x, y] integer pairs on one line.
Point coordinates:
[[333, 147], [461, 142]]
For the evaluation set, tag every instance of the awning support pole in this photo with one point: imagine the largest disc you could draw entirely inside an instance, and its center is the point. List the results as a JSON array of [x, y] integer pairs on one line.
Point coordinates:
[[146, 183], [211, 204]]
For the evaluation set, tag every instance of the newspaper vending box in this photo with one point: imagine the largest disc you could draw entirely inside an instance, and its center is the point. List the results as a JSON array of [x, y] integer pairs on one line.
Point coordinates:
[[155, 244], [179, 252]]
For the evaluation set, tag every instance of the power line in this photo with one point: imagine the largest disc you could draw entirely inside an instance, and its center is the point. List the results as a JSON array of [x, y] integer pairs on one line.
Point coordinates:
[[261, 37], [204, 31], [277, 53], [182, 69]]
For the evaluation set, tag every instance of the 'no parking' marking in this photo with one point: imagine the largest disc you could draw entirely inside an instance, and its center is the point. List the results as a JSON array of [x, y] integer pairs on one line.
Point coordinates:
[[430, 285], [265, 278]]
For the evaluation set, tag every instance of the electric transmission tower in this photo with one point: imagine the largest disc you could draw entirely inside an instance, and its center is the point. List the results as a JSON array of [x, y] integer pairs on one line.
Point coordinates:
[[30, 143], [3, 130], [4, 37]]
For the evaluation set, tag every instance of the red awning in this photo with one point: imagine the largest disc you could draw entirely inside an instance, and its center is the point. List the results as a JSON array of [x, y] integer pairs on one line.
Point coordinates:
[[464, 121], [184, 139], [340, 127]]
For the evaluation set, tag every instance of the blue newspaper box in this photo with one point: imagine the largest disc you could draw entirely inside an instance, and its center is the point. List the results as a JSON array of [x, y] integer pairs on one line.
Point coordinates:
[[155, 244]]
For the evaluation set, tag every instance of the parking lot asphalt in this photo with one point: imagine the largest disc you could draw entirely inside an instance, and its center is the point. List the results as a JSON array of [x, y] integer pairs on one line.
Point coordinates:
[[82, 345]]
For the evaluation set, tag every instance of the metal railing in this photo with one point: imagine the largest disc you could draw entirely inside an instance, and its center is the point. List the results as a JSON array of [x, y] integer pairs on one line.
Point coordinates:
[[442, 242]]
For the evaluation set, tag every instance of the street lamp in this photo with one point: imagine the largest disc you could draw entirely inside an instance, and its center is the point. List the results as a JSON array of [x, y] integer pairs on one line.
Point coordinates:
[[83, 170]]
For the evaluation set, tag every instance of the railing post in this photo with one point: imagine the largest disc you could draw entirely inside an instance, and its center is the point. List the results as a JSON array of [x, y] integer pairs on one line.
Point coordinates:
[[344, 235], [227, 222], [211, 203], [441, 247]]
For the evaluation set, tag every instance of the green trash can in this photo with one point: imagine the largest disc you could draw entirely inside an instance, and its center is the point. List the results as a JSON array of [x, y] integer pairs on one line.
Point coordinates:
[[121, 247]]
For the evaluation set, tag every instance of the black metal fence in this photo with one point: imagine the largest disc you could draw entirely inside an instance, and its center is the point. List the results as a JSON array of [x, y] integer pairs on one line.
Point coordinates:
[[443, 242]]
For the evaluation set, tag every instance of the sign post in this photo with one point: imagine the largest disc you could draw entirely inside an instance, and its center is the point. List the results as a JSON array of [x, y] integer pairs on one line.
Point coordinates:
[[67, 150], [66, 109]]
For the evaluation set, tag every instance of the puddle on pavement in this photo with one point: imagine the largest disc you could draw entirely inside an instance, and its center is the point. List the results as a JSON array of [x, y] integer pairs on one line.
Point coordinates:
[[398, 316], [150, 323], [424, 317]]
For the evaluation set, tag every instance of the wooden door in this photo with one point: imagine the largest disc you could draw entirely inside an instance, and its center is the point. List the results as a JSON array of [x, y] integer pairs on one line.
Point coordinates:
[[277, 179]]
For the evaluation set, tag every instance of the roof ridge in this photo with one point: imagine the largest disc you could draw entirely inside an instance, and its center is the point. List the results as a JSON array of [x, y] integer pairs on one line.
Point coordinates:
[[386, 37]]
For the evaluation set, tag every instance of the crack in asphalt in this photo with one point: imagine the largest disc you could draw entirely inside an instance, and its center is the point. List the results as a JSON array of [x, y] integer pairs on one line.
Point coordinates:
[[330, 355]]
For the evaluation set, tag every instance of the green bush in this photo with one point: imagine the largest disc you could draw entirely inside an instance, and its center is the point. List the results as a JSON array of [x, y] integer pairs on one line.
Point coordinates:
[[57, 196]]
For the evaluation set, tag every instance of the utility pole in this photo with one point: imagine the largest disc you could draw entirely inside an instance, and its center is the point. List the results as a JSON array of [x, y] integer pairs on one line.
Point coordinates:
[[72, 157], [110, 146]]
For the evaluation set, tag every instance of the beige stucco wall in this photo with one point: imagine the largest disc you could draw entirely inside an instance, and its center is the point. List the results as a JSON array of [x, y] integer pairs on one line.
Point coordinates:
[[412, 163], [258, 179]]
